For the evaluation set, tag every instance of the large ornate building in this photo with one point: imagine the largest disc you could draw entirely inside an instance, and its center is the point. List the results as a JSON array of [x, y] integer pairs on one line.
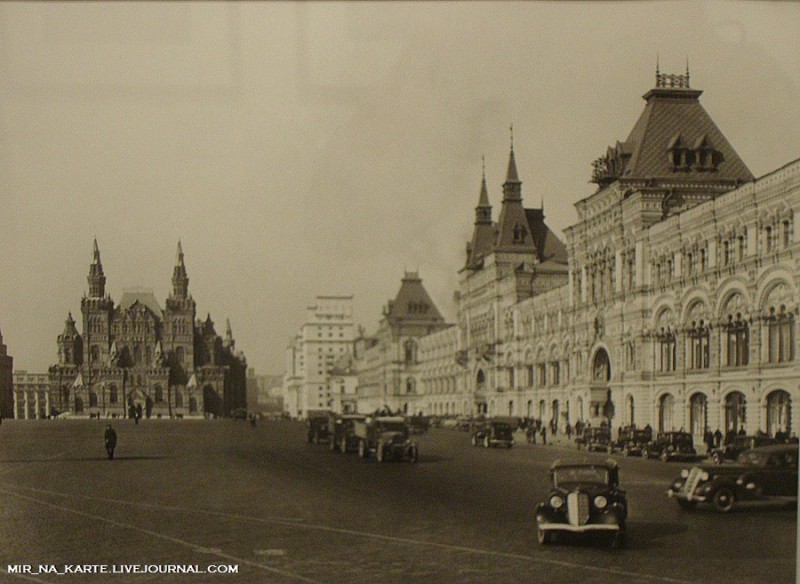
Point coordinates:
[[673, 302], [136, 356]]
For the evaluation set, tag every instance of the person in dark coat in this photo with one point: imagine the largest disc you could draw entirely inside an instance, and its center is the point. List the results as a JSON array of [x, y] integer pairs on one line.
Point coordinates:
[[709, 440], [544, 434], [717, 438], [111, 441], [742, 431]]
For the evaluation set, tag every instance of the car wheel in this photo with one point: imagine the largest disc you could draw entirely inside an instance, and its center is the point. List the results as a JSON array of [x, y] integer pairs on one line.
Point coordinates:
[[716, 458], [724, 500], [379, 456], [686, 505], [543, 536], [362, 449], [486, 443]]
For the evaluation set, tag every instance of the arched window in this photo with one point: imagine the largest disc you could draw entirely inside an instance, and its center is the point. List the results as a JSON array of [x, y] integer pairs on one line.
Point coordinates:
[[698, 414], [95, 352], [737, 335], [92, 399], [159, 394], [113, 395], [698, 335], [481, 380], [411, 385], [779, 412], [410, 352], [780, 335], [666, 350], [542, 406], [735, 411], [666, 405], [192, 405], [78, 405], [511, 407], [579, 404]]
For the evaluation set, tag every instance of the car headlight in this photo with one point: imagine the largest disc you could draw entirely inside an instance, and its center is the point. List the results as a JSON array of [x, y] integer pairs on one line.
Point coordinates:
[[556, 502], [600, 502], [705, 476], [685, 473], [677, 485]]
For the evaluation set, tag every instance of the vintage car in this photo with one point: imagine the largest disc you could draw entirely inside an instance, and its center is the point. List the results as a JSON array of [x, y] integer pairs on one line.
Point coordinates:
[[631, 441], [341, 429], [671, 446], [418, 424], [597, 438], [584, 498], [317, 422], [387, 437], [764, 473], [733, 449], [496, 431], [464, 423]]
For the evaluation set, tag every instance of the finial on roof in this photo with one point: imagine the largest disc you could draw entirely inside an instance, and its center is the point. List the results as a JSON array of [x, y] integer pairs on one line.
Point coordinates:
[[541, 202], [658, 72], [511, 130], [687, 70]]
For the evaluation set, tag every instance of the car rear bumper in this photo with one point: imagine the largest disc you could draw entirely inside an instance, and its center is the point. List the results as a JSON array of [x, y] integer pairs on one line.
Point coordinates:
[[579, 528]]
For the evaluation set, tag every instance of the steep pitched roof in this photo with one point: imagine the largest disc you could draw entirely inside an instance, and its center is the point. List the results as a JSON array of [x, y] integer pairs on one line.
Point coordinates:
[[674, 116], [143, 296], [548, 246], [413, 303]]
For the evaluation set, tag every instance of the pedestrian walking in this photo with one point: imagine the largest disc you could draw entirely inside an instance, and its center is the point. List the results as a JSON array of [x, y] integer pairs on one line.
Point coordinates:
[[717, 438], [111, 441]]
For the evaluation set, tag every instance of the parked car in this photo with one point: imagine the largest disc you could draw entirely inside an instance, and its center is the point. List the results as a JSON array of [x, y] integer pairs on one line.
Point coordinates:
[[341, 429], [631, 441], [732, 450], [584, 498], [317, 422], [387, 437], [763, 473], [464, 423], [495, 431], [418, 424], [597, 438], [671, 446]]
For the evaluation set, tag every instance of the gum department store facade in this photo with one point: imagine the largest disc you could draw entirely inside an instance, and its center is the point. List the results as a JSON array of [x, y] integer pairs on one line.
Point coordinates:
[[674, 301]]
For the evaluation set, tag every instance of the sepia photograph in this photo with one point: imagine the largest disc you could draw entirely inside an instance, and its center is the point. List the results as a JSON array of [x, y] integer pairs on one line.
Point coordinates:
[[399, 292]]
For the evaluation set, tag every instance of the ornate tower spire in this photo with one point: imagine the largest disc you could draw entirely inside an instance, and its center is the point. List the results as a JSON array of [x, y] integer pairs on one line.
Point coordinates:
[[483, 234], [96, 279], [513, 233], [180, 281], [228, 342]]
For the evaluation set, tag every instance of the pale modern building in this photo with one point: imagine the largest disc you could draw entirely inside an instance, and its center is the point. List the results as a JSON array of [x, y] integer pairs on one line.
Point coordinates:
[[441, 375], [389, 371], [31, 395], [673, 303], [327, 334]]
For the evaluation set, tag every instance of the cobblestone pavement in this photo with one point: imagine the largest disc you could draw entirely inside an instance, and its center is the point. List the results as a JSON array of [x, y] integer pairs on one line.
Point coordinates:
[[210, 493]]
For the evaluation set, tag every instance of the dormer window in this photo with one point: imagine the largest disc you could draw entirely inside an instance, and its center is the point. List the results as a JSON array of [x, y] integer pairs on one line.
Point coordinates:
[[519, 233]]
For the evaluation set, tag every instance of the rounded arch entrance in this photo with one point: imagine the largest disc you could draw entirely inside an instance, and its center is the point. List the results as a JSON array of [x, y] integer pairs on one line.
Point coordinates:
[[779, 412]]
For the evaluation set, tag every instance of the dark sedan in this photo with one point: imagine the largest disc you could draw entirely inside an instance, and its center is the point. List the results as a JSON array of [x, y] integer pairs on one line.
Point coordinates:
[[765, 473]]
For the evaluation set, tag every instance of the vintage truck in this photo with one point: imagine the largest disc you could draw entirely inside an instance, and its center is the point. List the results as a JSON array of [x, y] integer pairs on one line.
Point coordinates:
[[387, 437]]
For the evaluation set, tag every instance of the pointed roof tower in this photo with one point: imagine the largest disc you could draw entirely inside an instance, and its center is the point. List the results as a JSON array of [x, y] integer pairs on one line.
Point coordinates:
[[513, 232], [673, 139], [483, 233], [96, 278], [228, 342], [412, 305], [180, 281]]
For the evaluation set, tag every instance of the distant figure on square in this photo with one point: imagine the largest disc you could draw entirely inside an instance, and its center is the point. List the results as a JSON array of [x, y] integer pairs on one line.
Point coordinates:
[[111, 441]]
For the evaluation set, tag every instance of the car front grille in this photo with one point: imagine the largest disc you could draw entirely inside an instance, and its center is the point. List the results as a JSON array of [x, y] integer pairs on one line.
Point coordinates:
[[692, 481], [578, 508]]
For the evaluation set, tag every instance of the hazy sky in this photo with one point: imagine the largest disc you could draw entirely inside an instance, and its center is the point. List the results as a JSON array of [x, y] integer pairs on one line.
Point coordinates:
[[304, 149]]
